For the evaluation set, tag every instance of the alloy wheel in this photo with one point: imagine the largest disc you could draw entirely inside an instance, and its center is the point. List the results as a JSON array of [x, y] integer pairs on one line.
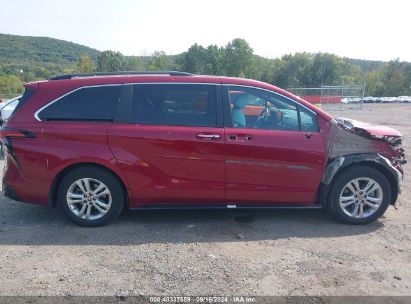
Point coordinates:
[[361, 197], [88, 198]]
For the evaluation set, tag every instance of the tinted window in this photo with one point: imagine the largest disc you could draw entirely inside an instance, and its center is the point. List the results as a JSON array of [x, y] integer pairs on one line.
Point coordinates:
[[96, 103], [258, 109], [175, 104]]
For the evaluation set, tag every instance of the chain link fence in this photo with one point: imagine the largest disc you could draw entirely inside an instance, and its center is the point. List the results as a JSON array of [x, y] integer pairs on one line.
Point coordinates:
[[333, 96]]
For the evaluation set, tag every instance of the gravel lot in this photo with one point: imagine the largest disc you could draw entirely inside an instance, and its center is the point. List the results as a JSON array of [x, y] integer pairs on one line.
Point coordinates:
[[225, 252]]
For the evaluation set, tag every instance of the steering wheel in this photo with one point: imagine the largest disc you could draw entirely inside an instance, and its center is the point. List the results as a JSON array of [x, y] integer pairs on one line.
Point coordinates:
[[274, 121], [284, 126], [262, 118]]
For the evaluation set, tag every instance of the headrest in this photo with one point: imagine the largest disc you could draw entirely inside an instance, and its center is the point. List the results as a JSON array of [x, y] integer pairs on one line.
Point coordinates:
[[241, 101]]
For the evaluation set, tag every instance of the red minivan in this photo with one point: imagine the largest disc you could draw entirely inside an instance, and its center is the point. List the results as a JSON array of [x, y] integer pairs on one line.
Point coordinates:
[[94, 144]]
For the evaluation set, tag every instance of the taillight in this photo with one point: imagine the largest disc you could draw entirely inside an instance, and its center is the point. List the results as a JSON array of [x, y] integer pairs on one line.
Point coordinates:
[[15, 133]]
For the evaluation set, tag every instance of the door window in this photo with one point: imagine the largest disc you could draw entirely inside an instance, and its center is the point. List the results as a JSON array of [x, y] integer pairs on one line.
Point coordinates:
[[308, 120], [258, 109], [175, 104]]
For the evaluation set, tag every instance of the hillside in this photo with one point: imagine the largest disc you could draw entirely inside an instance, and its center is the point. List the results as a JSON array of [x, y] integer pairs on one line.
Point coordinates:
[[24, 59], [41, 51]]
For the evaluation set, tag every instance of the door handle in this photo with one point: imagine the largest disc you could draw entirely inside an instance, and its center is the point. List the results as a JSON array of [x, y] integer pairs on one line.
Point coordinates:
[[208, 136], [240, 137], [308, 135]]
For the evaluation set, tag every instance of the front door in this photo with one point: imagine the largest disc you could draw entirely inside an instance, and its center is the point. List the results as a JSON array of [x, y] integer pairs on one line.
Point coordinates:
[[274, 151]]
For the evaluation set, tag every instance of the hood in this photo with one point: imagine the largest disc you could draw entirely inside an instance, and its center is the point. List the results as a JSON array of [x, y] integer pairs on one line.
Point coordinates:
[[346, 139], [373, 131]]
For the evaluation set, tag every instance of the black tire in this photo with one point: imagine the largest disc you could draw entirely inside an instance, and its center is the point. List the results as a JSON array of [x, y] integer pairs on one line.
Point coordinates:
[[351, 173], [108, 179]]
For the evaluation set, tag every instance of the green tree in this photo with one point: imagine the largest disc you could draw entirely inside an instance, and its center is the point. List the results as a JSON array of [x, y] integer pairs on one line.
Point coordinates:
[[85, 64], [326, 69], [294, 70], [159, 61], [395, 79], [110, 61], [374, 84], [214, 60], [238, 57], [351, 73], [10, 85], [200, 60], [194, 60], [134, 64]]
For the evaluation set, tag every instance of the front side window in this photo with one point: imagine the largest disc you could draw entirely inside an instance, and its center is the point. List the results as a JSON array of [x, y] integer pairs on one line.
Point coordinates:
[[89, 103], [308, 120], [175, 104], [258, 109]]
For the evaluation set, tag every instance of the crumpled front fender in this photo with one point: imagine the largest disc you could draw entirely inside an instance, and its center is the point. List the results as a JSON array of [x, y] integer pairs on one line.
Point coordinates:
[[337, 164]]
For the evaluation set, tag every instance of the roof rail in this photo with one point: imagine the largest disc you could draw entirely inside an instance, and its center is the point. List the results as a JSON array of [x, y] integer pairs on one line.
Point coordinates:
[[70, 76]]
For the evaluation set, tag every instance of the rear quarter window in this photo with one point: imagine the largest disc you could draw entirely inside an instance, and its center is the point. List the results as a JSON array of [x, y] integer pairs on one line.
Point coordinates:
[[88, 103]]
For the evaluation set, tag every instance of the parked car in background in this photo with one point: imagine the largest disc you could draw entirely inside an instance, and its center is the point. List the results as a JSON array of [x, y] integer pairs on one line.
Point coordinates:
[[7, 108], [370, 99], [404, 99], [94, 144]]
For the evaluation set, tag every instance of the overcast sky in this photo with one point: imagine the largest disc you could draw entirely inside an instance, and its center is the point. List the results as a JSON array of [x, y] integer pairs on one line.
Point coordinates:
[[379, 30]]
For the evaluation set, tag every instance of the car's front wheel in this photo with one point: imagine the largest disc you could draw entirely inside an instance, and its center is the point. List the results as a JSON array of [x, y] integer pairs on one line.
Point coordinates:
[[359, 195], [90, 196]]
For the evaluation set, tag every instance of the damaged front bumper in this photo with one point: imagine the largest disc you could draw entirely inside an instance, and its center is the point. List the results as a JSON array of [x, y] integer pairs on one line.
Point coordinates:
[[352, 142]]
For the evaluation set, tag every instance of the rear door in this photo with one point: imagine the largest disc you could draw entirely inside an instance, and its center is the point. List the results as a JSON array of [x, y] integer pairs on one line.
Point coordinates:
[[275, 153], [171, 149]]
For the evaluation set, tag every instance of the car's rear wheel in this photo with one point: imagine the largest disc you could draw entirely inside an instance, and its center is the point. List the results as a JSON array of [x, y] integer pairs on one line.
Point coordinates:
[[359, 195], [90, 196]]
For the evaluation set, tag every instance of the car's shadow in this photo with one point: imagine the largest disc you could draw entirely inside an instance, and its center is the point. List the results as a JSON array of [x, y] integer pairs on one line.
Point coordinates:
[[22, 224]]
